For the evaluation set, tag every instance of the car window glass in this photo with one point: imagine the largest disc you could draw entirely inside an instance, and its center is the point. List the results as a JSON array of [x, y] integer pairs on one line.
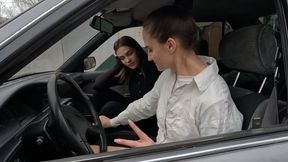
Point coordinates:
[[61, 51], [104, 54], [271, 20], [11, 8]]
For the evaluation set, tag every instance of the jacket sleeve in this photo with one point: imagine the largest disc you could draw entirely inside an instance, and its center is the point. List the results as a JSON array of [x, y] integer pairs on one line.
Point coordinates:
[[220, 117], [107, 79], [142, 108]]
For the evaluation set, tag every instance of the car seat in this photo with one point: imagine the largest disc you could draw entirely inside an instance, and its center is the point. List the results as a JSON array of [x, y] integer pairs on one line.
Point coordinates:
[[251, 50], [202, 47]]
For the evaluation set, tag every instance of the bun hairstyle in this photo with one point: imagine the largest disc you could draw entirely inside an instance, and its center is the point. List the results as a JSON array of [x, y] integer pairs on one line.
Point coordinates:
[[172, 21]]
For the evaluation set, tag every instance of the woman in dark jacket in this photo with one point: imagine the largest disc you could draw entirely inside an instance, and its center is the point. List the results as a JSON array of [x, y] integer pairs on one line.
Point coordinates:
[[132, 69]]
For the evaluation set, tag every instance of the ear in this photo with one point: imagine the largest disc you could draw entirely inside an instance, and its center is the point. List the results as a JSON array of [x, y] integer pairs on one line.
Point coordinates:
[[171, 45]]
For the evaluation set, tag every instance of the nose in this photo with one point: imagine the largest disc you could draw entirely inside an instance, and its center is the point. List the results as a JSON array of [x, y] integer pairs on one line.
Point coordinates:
[[127, 59]]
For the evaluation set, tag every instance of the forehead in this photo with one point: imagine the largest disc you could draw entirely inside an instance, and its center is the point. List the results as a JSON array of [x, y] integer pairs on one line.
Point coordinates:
[[123, 50], [148, 40], [145, 35]]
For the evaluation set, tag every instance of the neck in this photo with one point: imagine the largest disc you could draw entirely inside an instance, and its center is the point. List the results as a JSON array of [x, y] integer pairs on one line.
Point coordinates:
[[187, 63]]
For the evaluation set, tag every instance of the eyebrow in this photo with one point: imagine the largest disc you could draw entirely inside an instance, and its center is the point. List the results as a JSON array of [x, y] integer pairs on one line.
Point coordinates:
[[147, 48], [125, 53]]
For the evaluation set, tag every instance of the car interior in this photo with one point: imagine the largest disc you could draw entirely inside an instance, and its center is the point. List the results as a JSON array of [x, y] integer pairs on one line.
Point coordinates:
[[255, 58], [52, 116]]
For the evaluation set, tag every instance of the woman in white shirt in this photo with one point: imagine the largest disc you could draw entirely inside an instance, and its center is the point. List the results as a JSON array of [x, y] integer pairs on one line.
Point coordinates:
[[189, 98]]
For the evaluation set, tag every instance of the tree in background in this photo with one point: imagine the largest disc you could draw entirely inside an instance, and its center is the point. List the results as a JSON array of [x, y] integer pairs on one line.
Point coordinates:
[[11, 8]]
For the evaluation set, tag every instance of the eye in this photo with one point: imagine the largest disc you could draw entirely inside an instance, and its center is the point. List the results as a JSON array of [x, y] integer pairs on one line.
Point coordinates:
[[129, 53], [121, 57], [149, 50]]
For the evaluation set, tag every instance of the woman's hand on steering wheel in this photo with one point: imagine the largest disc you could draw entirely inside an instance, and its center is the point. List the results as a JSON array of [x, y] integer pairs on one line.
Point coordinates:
[[105, 121]]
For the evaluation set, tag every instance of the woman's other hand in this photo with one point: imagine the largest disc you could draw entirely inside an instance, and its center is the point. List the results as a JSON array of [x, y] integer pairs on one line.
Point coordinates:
[[144, 140]]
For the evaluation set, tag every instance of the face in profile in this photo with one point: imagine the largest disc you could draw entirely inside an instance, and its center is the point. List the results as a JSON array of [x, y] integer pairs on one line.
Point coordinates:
[[128, 57], [157, 52]]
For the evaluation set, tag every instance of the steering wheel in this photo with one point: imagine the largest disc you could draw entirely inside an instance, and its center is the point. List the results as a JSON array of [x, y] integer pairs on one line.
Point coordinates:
[[73, 125]]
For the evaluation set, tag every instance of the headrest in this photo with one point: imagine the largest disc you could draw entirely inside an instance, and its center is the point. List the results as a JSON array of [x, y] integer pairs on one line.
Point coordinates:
[[249, 49]]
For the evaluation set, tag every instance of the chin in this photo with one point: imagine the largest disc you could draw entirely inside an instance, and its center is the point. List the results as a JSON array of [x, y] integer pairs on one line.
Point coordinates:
[[160, 68], [132, 67]]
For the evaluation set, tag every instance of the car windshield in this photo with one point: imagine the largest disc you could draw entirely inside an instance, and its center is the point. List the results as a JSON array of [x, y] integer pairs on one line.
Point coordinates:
[[12, 8], [55, 56]]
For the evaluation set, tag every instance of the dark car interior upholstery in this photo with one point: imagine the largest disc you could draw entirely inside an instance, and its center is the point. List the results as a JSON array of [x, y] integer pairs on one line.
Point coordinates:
[[250, 50], [202, 47]]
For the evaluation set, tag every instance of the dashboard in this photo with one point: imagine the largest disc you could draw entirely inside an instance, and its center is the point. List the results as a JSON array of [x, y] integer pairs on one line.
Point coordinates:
[[27, 128], [27, 125]]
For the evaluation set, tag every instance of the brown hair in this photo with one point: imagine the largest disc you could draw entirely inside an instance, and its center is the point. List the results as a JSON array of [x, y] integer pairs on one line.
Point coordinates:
[[140, 53], [171, 21]]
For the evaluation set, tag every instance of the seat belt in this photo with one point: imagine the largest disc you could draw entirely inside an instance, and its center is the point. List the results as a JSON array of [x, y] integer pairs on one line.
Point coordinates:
[[271, 114], [268, 115]]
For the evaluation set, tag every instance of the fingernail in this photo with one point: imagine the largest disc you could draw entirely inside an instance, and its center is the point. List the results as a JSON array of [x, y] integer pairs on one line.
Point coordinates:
[[116, 140]]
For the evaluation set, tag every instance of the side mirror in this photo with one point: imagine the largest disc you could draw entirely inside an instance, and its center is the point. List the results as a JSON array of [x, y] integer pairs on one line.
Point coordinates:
[[102, 25], [89, 63]]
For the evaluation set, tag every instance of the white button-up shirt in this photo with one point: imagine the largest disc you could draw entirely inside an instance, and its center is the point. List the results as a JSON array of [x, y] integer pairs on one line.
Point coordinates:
[[187, 108]]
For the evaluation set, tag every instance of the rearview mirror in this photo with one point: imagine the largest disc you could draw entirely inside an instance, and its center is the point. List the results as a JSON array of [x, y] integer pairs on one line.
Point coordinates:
[[102, 25]]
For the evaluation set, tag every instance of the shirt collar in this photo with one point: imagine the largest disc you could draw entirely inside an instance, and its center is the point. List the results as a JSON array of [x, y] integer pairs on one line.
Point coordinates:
[[207, 75]]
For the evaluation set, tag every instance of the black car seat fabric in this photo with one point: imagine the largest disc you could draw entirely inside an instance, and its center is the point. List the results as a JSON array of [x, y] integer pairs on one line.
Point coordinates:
[[250, 43], [202, 47], [252, 50]]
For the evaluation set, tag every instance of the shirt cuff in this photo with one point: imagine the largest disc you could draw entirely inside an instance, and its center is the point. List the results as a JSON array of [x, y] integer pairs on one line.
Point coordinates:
[[114, 122]]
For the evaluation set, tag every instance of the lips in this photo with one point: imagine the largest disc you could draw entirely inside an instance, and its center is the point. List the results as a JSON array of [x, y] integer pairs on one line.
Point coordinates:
[[131, 64]]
